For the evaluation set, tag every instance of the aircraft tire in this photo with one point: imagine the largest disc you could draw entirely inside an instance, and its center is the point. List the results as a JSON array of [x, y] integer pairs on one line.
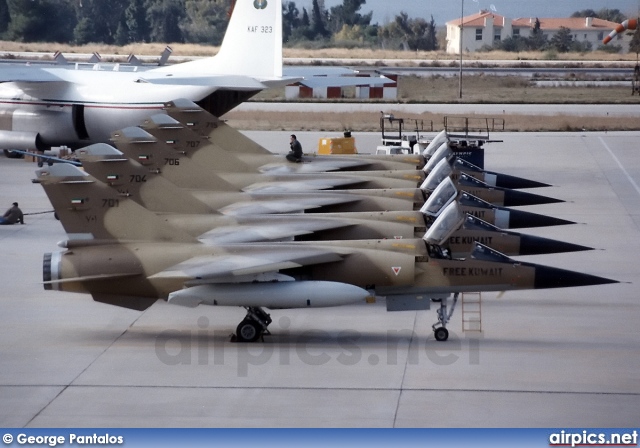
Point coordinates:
[[441, 334], [248, 331], [12, 155]]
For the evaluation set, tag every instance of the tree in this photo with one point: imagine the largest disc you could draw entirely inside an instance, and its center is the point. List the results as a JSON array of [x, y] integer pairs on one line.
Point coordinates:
[[537, 41], [5, 18], [290, 19], [135, 18], [580, 47], [561, 41], [318, 15], [347, 14], [634, 45], [585, 13], [409, 34], [98, 21], [40, 21], [513, 44], [612, 15], [164, 17], [205, 21]]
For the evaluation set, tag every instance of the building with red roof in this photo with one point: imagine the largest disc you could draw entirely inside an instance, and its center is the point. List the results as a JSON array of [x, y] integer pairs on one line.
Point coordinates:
[[485, 28]]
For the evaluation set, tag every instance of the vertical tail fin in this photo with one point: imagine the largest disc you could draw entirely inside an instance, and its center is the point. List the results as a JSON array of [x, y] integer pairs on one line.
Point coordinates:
[[252, 44], [208, 125], [167, 157], [89, 209], [135, 181]]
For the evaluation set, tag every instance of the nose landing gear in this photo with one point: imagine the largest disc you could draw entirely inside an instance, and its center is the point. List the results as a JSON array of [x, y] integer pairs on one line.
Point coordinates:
[[440, 331]]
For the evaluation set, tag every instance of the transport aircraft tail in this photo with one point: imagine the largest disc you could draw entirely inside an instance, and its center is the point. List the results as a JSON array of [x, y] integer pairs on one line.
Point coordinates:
[[252, 44]]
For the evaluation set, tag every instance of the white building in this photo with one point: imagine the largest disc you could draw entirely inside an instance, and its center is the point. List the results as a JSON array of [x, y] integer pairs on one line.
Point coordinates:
[[485, 28]]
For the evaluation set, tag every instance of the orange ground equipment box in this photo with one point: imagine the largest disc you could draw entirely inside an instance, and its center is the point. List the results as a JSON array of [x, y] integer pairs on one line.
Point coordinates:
[[338, 145]]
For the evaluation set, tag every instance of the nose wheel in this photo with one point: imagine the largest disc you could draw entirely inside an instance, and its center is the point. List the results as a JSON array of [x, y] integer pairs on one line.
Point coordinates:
[[253, 326], [441, 334], [440, 331]]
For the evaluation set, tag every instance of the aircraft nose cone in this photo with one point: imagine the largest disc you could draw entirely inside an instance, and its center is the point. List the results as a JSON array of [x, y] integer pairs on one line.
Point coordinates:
[[519, 219], [549, 277], [508, 181], [535, 245], [513, 198]]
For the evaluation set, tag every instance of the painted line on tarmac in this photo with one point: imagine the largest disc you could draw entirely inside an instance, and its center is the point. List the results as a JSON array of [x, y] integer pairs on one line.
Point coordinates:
[[635, 185]]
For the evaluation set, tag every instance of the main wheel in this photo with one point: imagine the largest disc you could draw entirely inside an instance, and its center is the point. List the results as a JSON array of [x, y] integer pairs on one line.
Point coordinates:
[[248, 331], [12, 154], [441, 334]]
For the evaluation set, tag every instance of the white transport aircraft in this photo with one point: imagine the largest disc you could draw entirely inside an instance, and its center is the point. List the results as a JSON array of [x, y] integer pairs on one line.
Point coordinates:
[[43, 107]]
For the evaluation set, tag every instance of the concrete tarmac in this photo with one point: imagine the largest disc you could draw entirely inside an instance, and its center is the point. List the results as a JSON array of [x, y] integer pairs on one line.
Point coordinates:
[[546, 358], [481, 110]]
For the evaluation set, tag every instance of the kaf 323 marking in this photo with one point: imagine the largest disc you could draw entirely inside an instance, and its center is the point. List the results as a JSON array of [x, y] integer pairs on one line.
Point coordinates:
[[261, 29]]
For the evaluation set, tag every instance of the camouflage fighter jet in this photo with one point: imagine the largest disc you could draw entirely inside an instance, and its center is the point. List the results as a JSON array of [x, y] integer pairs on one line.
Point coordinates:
[[63, 182], [129, 257], [155, 191]]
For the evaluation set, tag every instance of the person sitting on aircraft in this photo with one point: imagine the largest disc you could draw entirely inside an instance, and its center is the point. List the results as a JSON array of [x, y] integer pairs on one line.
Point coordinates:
[[12, 216], [295, 155]]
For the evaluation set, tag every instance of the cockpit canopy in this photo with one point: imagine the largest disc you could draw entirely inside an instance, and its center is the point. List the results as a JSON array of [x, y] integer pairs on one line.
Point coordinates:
[[442, 152], [440, 172], [448, 222], [442, 196]]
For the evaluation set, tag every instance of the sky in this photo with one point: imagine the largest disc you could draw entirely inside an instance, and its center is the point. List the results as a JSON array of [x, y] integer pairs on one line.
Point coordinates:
[[446, 10]]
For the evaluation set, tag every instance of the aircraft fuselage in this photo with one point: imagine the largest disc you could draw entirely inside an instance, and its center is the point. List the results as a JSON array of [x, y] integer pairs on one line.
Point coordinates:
[[84, 107]]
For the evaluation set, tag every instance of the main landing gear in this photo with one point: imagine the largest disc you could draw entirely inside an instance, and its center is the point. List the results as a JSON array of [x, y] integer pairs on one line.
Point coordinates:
[[440, 331], [254, 325]]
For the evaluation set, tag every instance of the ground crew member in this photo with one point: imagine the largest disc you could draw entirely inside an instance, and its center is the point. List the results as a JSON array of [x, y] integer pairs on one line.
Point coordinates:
[[12, 216], [295, 155]]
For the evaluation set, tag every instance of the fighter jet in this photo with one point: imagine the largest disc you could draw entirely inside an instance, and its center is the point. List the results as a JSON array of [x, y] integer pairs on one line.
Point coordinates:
[[64, 184], [494, 195], [142, 182], [250, 156], [188, 162], [53, 106], [490, 178], [174, 154], [130, 257], [231, 153], [158, 194], [218, 133], [502, 217]]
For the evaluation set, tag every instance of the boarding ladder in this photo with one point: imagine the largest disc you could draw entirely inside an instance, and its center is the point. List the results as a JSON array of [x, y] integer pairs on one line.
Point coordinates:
[[472, 311]]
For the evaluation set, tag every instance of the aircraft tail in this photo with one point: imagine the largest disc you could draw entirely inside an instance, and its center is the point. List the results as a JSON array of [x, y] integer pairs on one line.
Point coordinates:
[[137, 182], [90, 210], [252, 44], [208, 125], [169, 153]]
